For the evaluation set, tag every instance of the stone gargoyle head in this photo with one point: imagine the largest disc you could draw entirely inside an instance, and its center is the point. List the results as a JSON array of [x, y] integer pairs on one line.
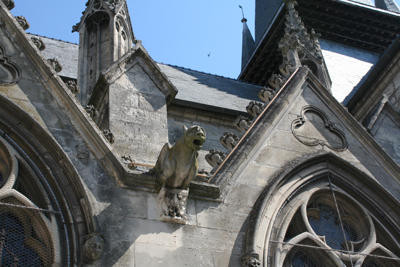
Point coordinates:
[[194, 137]]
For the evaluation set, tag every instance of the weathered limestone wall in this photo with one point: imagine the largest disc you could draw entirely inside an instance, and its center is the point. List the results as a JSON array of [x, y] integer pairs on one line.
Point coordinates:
[[138, 116], [346, 66], [386, 128]]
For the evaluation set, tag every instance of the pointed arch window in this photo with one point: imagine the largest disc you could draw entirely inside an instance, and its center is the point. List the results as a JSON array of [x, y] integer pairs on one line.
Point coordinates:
[[324, 218], [332, 223], [29, 222]]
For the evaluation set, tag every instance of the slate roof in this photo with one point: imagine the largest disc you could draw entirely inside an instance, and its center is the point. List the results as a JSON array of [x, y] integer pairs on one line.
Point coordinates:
[[211, 90], [195, 88], [66, 54]]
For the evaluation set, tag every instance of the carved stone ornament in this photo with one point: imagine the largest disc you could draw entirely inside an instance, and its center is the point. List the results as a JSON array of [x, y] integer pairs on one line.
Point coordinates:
[[9, 4], [23, 22], [175, 168], [93, 248], [109, 136], [296, 36], [313, 128], [276, 81], [55, 64], [266, 94], [242, 123], [130, 163], [251, 260], [72, 86], [173, 204], [229, 140], [215, 158], [255, 108], [9, 72], [90, 109], [38, 43]]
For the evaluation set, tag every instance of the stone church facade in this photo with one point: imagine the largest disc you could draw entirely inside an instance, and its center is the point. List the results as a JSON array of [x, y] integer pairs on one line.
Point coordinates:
[[108, 158]]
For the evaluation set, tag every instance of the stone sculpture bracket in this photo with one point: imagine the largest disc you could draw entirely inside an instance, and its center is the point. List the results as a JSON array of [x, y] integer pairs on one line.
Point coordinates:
[[176, 167]]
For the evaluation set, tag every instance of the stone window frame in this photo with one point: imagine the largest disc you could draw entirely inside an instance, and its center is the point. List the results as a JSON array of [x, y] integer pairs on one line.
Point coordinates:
[[36, 154], [303, 177], [34, 222]]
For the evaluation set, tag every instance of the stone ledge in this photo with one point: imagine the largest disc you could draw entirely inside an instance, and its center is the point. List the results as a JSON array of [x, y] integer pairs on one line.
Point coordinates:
[[143, 179]]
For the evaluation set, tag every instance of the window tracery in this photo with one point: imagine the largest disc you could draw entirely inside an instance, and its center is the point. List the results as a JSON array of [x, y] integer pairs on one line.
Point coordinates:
[[322, 211], [331, 222], [28, 223]]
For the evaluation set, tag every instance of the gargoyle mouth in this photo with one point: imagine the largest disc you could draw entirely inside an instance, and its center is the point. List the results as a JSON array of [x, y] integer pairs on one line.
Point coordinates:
[[198, 142]]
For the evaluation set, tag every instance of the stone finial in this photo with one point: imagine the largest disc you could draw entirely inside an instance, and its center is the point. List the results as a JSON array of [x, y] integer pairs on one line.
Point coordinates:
[[23, 22], [55, 64], [9, 4], [266, 94], [255, 108], [229, 140], [73, 86], [91, 110], [176, 167], [38, 42], [93, 248], [215, 158], [109, 136], [242, 123]]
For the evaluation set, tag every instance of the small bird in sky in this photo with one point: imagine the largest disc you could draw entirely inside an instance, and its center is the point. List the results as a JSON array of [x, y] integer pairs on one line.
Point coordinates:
[[209, 54]]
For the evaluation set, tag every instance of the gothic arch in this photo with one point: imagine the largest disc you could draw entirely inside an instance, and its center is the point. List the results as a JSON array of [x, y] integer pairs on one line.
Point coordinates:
[[41, 194], [287, 217]]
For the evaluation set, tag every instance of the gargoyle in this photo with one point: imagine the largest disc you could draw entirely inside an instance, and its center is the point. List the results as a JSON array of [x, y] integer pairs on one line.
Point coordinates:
[[176, 167]]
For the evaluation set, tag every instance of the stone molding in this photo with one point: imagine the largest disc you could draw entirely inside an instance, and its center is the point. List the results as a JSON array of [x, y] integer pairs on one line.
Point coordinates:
[[9, 68], [298, 81], [313, 168], [309, 140]]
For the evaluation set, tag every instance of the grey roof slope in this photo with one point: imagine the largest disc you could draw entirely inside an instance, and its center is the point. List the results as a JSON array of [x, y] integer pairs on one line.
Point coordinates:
[[195, 87], [66, 53], [211, 90]]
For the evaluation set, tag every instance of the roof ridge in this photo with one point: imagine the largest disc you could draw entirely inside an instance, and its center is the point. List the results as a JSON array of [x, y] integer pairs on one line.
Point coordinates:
[[51, 38], [207, 73]]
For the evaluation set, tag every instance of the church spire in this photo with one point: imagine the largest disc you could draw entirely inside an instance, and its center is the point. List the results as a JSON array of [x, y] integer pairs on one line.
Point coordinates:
[[248, 44], [105, 35]]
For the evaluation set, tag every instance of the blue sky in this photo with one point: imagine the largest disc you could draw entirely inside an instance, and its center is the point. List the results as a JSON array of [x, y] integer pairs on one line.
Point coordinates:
[[177, 32]]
